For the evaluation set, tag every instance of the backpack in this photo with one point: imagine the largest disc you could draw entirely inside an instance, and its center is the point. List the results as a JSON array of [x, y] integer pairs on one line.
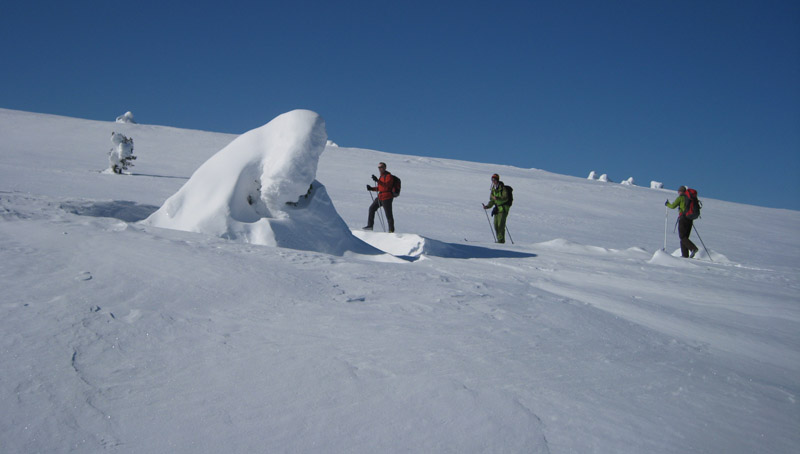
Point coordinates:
[[395, 185], [693, 204], [510, 195]]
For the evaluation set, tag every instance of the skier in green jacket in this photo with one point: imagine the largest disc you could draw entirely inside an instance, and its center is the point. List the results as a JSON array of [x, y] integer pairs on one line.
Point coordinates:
[[688, 248], [498, 198]]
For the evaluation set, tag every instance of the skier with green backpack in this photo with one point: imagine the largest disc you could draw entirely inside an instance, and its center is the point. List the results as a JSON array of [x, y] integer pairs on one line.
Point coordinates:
[[689, 211], [500, 197]]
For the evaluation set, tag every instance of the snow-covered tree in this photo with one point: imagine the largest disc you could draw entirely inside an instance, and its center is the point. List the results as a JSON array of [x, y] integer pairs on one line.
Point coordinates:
[[127, 117], [121, 154]]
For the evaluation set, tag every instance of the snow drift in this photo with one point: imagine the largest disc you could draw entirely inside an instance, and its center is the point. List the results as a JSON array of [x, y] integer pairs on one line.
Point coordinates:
[[262, 189]]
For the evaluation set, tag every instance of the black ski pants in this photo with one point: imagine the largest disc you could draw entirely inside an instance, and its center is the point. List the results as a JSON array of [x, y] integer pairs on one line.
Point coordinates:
[[684, 230], [387, 208]]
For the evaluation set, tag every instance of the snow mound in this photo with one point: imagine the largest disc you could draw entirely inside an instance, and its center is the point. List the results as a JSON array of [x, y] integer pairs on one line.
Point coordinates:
[[629, 182], [563, 245], [566, 245], [664, 259], [656, 185], [397, 244], [262, 189], [411, 246], [703, 255]]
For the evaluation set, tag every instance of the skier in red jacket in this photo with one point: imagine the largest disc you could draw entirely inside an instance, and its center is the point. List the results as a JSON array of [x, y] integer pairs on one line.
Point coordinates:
[[384, 188]]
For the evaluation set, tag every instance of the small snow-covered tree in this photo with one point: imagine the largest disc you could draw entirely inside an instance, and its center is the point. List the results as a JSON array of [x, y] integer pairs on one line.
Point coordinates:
[[628, 182], [656, 185], [121, 154], [127, 117], [592, 175]]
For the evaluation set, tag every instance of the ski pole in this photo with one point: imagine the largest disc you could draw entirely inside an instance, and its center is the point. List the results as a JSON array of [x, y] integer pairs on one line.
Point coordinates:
[[380, 216], [387, 216], [701, 242], [491, 229], [666, 214], [381, 210], [509, 234]]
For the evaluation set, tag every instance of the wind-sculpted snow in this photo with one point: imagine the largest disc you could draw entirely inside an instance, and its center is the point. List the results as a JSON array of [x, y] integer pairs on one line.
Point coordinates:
[[261, 189]]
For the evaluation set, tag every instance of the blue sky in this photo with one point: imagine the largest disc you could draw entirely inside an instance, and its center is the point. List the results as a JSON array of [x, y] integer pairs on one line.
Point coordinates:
[[702, 93]]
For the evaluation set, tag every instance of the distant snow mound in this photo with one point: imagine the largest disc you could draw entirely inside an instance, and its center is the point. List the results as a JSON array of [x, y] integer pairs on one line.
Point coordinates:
[[331, 143], [592, 175], [656, 185], [628, 182], [261, 189], [127, 117], [604, 178]]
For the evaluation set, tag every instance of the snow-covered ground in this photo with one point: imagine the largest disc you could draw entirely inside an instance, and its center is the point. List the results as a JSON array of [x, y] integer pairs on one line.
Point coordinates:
[[581, 337]]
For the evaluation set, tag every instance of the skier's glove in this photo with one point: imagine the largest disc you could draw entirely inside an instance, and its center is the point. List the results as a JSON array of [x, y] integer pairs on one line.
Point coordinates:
[[369, 188], [374, 178], [494, 210], [666, 203]]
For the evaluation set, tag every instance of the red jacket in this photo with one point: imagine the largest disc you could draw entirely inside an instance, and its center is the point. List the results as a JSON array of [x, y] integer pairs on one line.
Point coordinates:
[[385, 186]]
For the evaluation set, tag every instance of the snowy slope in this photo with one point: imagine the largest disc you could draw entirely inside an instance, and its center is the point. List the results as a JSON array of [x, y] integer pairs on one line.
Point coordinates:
[[581, 337]]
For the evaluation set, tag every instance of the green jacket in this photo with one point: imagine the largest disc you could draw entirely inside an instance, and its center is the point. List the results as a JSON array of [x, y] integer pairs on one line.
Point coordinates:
[[681, 200], [498, 197]]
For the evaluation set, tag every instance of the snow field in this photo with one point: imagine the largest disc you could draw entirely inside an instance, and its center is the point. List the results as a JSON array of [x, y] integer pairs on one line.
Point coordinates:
[[581, 337]]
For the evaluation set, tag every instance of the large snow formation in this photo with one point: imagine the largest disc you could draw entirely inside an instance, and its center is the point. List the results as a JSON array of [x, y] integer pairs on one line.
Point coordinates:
[[262, 189]]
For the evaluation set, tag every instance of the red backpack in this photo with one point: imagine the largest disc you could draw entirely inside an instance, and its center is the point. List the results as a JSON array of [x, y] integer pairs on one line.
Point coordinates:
[[693, 204]]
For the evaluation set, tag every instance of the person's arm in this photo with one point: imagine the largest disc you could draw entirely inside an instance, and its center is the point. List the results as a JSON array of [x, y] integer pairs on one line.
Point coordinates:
[[678, 201], [491, 203]]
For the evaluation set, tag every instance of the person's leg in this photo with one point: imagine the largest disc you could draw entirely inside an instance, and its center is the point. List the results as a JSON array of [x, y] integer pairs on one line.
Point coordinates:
[[684, 228], [372, 209], [689, 243], [500, 225], [387, 208]]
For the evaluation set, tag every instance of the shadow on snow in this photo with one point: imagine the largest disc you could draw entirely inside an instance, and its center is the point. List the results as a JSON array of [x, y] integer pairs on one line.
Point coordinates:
[[123, 210]]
